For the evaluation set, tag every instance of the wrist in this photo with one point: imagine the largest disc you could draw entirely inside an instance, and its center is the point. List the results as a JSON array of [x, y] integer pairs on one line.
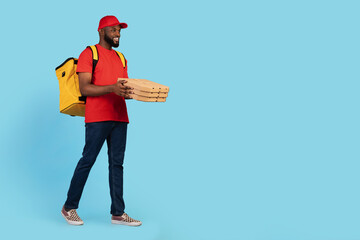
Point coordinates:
[[111, 88]]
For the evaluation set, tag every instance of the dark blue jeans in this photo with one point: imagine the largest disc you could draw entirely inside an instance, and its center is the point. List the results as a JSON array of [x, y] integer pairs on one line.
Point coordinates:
[[96, 133]]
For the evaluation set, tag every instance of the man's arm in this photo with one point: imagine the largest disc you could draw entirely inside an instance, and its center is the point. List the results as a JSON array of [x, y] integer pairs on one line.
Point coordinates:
[[89, 89]]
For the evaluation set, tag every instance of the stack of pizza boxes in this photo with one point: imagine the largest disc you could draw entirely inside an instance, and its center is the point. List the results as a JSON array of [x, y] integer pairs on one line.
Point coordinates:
[[146, 91]]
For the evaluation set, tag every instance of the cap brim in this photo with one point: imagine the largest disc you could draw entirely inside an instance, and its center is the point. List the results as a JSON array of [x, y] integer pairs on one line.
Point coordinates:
[[123, 25]]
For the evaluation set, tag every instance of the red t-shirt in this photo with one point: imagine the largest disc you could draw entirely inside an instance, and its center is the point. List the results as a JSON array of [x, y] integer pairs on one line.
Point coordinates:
[[108, 107]]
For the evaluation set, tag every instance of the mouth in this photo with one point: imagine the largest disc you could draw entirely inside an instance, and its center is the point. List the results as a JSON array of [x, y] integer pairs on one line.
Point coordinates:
[[116, 39]]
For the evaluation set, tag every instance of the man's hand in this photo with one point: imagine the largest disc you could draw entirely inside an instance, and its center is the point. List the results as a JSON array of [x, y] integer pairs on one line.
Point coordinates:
[[122, 90], [89, 89]]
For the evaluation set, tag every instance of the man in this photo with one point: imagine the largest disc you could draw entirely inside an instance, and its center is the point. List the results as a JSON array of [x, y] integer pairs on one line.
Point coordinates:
[[105, 119]]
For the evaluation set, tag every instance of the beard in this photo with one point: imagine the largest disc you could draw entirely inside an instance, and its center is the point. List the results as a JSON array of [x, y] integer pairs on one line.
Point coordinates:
[[111, 41]]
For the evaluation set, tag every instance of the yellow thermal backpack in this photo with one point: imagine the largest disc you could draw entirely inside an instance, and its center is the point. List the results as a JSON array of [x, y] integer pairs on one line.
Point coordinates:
[[71, 100]]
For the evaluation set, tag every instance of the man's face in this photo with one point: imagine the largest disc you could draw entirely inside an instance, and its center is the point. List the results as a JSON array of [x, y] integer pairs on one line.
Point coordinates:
[[112, 35]]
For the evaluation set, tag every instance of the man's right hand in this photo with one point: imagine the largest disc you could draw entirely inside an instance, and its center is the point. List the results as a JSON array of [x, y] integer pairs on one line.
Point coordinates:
[[89, 89], [122, 90]]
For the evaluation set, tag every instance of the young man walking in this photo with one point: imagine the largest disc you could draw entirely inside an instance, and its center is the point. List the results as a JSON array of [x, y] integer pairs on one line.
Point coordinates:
[[105, 119]]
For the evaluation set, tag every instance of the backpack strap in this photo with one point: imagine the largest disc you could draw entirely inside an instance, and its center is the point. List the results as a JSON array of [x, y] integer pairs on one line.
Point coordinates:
[[95, 61], [121, 56], [95, 56]]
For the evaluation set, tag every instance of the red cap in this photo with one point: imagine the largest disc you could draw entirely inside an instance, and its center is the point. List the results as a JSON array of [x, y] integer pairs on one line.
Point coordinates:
[[109, 21]]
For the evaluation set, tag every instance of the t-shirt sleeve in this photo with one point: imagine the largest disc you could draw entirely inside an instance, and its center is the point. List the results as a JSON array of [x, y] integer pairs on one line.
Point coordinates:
[[85, 62]]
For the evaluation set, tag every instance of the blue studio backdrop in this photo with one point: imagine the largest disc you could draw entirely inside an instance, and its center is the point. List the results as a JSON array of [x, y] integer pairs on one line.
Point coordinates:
[[258, 139]]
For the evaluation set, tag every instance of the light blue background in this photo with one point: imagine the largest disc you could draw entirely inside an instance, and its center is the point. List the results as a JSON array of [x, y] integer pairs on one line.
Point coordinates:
[[258, 140]]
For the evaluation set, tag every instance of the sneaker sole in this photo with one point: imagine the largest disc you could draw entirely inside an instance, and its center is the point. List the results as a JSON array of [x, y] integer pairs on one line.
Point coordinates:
[[72, 222], [133, 224]]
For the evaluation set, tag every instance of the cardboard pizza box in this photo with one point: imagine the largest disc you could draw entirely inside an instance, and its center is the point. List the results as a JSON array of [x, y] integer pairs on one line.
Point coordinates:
[[147, 99], [145, 85], [150, 94]]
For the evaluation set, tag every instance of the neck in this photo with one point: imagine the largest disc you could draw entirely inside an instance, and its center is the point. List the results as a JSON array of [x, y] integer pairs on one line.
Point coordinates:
[[104, 44]]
